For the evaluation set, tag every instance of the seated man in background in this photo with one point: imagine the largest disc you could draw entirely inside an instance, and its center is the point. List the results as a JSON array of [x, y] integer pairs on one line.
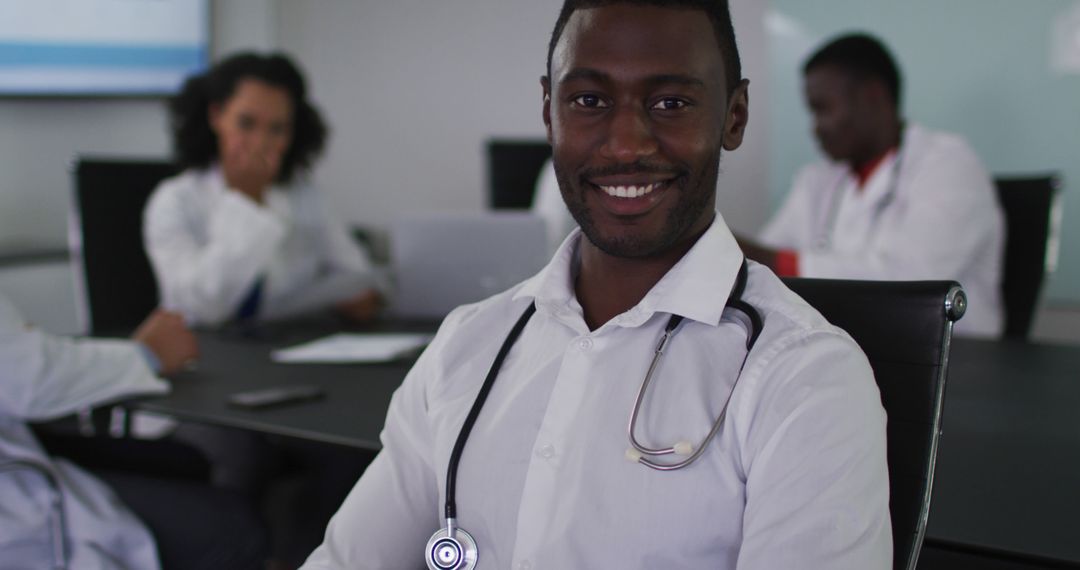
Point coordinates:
[[54, 514], [896, 201]]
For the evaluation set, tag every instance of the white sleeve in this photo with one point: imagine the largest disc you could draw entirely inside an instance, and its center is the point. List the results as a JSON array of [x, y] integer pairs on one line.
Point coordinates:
[[44, 377], [346, 269], [207, 281], [392, 511], [949, 212], [787, 226], [817, 492]]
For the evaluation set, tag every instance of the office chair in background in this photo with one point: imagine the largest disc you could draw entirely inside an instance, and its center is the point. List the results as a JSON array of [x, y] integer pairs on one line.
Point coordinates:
[[113, 275], [513, 167], [1032, 206], [118, 292], [905, 329]]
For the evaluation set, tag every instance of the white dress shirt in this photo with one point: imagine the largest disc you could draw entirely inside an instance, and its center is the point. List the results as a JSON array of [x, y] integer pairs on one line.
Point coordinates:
[[795, 478], [929, 211], [45, 501], [209, 246]]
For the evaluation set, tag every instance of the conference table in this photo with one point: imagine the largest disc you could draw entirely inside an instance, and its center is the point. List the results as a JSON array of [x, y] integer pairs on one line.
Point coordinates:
[[1008, 470]]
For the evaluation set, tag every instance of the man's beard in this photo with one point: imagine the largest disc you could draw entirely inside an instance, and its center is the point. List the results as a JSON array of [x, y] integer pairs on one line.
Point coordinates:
[[695, 194]]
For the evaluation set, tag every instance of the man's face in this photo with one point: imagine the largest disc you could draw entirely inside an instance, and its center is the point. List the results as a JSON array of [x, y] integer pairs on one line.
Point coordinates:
[[833, 98], [637, 116]]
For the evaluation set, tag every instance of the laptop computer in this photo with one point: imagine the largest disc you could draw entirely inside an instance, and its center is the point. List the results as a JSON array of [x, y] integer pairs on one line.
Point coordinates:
[[443, 260]]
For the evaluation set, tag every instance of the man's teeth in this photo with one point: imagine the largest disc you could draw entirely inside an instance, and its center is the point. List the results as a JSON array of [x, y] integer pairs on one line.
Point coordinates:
[[628, 191]]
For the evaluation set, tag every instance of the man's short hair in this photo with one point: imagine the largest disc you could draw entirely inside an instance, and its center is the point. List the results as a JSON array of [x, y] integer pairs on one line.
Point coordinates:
[[718, 13], [861, 55]]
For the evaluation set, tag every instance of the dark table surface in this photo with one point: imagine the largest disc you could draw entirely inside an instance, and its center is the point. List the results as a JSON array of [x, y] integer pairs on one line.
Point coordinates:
[[351, 413], [1008, 472]]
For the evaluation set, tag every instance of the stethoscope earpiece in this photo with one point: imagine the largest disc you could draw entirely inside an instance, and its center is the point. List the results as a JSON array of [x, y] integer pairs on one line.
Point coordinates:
[[445, 552]]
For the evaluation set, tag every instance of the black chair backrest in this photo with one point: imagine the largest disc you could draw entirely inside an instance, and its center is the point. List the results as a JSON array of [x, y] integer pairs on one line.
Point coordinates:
[[120, 289], [1028, 203], [905, 330], [513, 168]]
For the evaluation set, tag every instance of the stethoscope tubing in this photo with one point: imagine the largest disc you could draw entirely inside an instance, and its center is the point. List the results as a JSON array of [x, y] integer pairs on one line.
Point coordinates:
[[474, 412], [828, 226], [735, 302], [457, 545]]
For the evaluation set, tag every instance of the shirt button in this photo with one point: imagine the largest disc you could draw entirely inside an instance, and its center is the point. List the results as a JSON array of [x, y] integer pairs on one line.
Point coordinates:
[[585, 344], [524, 565], [547, 451]]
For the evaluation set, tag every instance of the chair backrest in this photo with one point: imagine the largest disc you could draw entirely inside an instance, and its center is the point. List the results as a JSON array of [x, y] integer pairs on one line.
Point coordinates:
[[905, 329], [117, 282], [1032, 209], [513, 168]]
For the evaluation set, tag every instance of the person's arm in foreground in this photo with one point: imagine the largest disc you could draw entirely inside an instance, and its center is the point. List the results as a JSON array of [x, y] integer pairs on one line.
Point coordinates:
[[388, 517], [44, 376]]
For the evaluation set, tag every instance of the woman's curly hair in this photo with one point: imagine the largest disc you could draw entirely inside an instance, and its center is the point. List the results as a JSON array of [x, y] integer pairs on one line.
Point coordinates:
[[195, 143]]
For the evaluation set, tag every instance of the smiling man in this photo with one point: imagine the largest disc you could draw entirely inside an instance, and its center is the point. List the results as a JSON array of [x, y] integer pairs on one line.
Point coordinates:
[[649, 399]]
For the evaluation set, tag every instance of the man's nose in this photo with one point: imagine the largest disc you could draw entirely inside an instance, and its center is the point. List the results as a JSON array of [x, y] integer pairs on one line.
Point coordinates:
[[630, 135]]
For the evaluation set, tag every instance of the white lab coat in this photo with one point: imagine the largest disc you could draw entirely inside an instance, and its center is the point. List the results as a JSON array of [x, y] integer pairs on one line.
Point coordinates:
[[795, 478], [209, 245], [928, 212], [44, 377]]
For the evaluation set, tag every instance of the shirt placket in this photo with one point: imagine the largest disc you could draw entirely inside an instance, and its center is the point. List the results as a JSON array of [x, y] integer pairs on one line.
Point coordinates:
[[542, 476]]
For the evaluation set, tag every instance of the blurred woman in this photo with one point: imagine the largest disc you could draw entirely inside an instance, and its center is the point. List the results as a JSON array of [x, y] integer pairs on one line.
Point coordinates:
[[239, 234]]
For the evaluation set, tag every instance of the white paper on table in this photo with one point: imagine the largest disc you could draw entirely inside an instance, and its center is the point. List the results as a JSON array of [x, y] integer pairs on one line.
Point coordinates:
[[345, 348]]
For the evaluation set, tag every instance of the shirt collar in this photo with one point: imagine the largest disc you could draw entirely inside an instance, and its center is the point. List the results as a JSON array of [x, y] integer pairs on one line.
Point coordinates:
[[864, 172], [697, 287]]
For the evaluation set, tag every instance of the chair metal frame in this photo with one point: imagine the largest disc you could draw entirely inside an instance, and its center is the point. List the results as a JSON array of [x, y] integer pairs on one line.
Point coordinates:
[[954, 304]]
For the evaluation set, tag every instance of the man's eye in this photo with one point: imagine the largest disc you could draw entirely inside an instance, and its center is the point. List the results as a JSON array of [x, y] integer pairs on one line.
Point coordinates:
[[589, 102], [669, 104]]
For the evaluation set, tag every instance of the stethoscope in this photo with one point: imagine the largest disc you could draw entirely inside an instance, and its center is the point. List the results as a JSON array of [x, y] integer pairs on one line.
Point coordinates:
[[453, 548], [828, 226]]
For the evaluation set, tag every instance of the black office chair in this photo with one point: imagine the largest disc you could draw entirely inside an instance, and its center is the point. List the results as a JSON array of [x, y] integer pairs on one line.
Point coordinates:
[[513, 168], [905, 329], [119, 292], [107, 245], [1032, 208]]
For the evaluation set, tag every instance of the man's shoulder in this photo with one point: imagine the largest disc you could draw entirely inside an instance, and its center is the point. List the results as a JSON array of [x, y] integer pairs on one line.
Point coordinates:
[[938, 146], [788, 321], [486, 317], [182, 188], [798, 352], [819, 176]]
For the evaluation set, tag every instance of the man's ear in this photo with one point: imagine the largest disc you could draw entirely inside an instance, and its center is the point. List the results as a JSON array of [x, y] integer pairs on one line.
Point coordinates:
[[738, 113], [545, 84]]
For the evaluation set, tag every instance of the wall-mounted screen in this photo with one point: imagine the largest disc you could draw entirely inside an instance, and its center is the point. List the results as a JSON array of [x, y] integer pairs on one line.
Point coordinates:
[[100, 47]]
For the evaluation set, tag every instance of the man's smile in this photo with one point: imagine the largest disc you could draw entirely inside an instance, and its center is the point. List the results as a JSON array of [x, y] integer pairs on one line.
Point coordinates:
[[631, 195]]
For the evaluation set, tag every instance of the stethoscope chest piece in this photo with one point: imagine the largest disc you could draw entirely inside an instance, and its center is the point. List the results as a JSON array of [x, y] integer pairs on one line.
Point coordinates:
[[445, 552]]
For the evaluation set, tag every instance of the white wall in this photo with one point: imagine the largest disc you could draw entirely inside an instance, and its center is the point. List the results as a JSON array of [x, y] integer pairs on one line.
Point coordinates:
[[40, 137], [413, 89]]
